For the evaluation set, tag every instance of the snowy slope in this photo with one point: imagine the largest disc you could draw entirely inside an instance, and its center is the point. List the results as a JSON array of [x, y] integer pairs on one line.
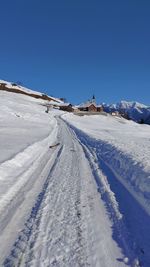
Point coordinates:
[[127, 147], [122, 150], [23, 121], [15, 87], [76, 193], [26, 132], [49, 203], [135, 111], [69, 225], [22, 88]]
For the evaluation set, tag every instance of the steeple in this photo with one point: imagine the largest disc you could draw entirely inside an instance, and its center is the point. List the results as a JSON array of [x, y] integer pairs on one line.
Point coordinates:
[[93, 99]]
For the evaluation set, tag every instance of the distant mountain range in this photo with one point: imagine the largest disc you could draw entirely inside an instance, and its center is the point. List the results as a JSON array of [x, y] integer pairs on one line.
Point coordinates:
[[135, 111]]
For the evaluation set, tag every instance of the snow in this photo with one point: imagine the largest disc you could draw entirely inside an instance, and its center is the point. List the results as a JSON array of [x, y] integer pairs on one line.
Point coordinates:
[[26, 132], [87, 104], [135, 111], [122, 150], [123, 143], [22, 88], [64, 104], [22, 122], [27, 90], [74, 191], [70, 227]]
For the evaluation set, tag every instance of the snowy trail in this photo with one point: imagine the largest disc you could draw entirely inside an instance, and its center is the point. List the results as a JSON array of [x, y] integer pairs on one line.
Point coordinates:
[[69, 224], [134, 228]]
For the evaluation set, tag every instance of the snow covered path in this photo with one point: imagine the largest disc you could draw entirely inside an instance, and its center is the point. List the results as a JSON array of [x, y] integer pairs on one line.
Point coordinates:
[[107, 160], [69, 224]]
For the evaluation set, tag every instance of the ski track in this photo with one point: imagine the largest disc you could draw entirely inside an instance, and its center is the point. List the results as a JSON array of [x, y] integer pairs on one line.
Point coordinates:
[[74, 218]]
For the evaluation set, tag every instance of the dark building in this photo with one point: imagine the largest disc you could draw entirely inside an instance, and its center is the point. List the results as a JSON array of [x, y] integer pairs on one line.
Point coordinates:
[[90, 107], [66, 107]]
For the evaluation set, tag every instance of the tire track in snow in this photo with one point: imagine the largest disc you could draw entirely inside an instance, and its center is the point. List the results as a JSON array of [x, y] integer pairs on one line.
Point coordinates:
[[68, 225], [134, 254], [60, 226], [20, 245], [54, 220], [112, 207]]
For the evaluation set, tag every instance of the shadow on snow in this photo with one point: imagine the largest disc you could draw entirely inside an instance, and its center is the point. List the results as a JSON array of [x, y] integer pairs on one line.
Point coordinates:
[[136, 222]]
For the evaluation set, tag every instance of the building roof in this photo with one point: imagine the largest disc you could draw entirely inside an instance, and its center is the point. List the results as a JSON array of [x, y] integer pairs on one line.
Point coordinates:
[[86, 105], [64, 104], [99, 106]]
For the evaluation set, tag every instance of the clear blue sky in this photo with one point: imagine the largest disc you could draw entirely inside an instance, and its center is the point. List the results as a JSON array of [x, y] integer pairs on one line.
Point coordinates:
[[74, 48]]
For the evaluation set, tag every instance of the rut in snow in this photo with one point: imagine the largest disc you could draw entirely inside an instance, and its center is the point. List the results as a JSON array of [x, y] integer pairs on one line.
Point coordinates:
[[55, 220], [69, 224], [131, 232]]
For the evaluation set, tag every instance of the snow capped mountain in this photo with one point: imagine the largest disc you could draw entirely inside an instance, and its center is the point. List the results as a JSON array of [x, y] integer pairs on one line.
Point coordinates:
[[135, 111]]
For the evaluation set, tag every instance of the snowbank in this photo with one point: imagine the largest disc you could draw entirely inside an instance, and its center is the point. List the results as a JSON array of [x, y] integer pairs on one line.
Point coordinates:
[[26, 132]]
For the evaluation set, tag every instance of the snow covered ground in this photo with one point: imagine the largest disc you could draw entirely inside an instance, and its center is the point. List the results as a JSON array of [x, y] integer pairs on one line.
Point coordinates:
[[122, 151], [14, 86], [22, 88], [124, 145], [69, 225], [83, 202], [26, 132]]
